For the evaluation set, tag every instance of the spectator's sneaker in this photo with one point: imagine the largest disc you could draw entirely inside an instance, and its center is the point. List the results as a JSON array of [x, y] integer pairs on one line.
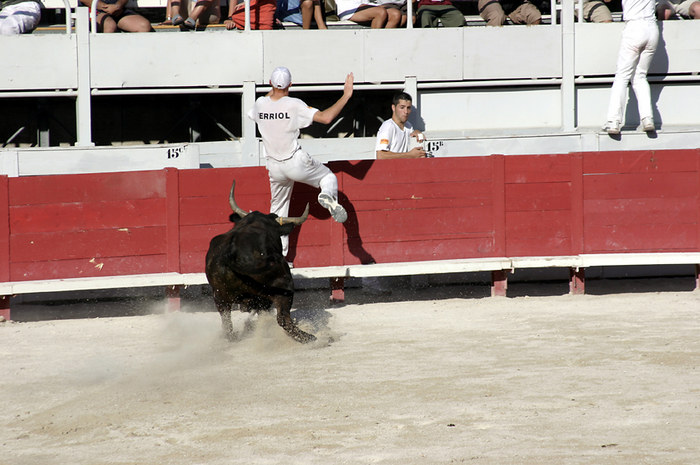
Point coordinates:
[[337, 211], [612, 127], [648, 124]]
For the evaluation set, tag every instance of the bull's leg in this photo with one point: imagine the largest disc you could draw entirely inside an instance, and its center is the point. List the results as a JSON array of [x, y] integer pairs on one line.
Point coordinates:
[[224, 309], [283, 305]]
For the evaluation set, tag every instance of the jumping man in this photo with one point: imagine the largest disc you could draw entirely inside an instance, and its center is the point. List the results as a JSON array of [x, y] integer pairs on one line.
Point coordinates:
[[279, 118]]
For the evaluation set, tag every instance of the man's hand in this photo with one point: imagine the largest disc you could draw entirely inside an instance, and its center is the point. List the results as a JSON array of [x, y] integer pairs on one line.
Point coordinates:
[[416, 152], [347, 89]]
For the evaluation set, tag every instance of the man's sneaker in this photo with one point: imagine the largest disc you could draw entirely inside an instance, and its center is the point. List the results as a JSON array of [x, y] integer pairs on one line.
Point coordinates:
[[648, 124], [337, 211], [612, 127]]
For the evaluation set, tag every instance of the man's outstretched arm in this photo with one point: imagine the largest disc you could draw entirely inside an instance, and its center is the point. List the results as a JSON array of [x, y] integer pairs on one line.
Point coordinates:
[[329, 114]]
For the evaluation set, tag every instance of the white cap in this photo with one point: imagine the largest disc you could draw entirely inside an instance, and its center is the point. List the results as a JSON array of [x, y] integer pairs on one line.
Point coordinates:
[[281, 77]]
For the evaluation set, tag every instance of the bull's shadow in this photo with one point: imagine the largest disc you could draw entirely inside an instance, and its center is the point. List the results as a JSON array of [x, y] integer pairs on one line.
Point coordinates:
[[303, 193]]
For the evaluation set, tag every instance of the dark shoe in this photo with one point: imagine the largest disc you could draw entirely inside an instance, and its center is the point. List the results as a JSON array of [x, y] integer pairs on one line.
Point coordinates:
[[177, 20]]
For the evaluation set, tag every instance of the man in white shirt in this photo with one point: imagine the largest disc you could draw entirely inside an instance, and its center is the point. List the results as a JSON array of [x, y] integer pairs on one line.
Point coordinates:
[[279, 118], [394, 135], [639, 40]]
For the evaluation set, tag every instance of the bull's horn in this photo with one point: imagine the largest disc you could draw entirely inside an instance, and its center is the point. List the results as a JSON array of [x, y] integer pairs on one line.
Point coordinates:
[[294, 219], [232, 202]]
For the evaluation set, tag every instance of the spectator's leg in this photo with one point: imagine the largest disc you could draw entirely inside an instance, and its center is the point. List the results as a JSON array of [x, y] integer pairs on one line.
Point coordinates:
[[595, 11], [318, 15], [394, 18], [375, 16], [20, 18], [174, 14], [204, 10], [527, 13], [694, 10], [134, 23], [639, 81], [627, 59], [452, 17], [492, 12], [665, 10], [307, 13], [105, 23]]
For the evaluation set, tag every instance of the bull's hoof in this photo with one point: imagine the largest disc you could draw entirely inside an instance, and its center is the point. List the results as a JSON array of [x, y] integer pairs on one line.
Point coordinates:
[[301, 336]]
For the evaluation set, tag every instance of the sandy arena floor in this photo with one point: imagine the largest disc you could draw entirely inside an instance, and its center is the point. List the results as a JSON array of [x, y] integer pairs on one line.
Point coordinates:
[[596, 379]]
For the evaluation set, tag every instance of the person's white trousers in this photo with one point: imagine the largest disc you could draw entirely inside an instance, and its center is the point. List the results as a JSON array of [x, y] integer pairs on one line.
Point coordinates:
[[20, 18], [301, 167], [637, 48]]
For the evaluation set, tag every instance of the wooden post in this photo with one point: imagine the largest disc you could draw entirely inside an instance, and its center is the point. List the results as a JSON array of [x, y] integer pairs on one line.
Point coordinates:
[[577, 281], [5, 307], [337, 290], [172, 293], [499, 283]]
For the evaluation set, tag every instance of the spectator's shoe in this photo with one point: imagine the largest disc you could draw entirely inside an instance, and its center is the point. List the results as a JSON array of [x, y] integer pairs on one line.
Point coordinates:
[[648, 124], [177, 20], [189, 25], [612, 127], [337, 211]]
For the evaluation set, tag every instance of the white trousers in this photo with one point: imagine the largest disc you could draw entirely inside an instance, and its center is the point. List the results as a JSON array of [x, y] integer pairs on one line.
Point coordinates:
[[300, 168], [637, 48], [20, 18]]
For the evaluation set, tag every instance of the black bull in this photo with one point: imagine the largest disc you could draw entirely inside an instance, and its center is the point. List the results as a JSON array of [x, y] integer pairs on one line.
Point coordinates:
[[245, 266]]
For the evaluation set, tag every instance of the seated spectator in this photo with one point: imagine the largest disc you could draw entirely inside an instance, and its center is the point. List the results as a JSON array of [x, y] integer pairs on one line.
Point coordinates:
[[495, 12], [113, 16], [395, 134], [595, 11], [671, 9], [19, 16], [396, 11], [262, 14], [301, 12], [201, 12], [365, 14], [430, 11]]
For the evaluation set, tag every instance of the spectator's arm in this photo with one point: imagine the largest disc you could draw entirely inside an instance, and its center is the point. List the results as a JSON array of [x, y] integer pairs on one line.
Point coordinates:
[[415, 152]]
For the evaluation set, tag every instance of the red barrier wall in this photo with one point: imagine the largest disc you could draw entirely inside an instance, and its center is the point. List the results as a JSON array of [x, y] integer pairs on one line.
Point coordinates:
[[399, 210]]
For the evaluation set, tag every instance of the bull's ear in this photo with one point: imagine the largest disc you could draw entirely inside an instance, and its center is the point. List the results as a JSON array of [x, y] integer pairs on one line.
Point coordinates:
[[286, 229]]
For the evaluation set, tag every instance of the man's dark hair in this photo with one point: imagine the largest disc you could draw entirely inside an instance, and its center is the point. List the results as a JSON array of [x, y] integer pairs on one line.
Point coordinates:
[[401, 96]]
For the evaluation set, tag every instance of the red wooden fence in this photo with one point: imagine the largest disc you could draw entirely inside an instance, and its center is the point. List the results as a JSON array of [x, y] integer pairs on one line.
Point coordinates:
[[112, 224]]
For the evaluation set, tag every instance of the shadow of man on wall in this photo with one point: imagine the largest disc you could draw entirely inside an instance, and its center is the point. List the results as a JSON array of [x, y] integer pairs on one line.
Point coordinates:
[[303, 193]]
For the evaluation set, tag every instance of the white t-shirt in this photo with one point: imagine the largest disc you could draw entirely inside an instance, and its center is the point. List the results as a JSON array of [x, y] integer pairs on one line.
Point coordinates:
[[279, 123], [639, 9], [392, 138]]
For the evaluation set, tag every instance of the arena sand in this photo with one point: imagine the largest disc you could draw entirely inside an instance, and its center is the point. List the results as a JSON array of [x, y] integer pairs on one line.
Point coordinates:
[[595, 379]]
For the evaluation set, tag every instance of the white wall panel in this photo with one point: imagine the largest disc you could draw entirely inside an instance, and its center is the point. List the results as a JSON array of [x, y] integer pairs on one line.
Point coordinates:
[[511, 52], [38, 62], [210, 58], [498, 111]]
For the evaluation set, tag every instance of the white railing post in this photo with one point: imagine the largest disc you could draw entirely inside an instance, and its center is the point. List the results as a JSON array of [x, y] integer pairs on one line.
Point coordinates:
[[247, 14], [69, 16], [568, 66], [83, 111], [93, 16], [409, 14], [249, 142]]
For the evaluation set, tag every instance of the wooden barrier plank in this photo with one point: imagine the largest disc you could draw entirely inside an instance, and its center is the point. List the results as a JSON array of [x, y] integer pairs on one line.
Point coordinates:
[[539, 233], [639, 161], [538, 196], [83, 268], [88, 244], [636, 238], [80, 216], [4, 229], [641, 211], [640, 185], [528, 169], [33, 190]]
